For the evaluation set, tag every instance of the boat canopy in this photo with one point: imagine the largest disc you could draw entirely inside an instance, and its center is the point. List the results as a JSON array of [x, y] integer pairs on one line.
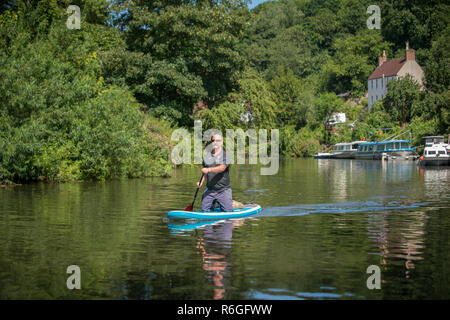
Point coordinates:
[[383, 142]]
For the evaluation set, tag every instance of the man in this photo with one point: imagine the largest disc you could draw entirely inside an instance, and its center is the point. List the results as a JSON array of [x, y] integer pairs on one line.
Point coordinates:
[[216, 170]]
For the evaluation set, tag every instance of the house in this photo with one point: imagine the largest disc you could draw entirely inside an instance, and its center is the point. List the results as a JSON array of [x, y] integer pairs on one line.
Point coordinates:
[[335, 118], [392, 70]]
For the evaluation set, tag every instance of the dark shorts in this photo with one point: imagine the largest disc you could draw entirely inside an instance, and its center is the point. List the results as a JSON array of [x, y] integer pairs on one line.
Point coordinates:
[[224, 198]]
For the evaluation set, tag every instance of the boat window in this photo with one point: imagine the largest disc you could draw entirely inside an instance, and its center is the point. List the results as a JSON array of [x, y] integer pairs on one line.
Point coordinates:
[[431, 152], [390, 145], [380, 147], [405, 145], [441, 152]]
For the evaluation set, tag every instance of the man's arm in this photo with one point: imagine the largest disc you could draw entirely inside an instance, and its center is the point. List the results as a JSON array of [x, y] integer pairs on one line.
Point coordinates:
[[218, 169]]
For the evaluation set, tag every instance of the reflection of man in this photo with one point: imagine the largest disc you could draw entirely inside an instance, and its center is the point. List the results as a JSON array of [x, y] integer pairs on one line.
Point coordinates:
[[215, 247], [216, 170]]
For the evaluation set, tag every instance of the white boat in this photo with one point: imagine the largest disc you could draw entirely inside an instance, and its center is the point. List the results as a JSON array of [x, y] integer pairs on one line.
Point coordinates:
[[323, 155], [431, 140], [346, 150], [436, 152]]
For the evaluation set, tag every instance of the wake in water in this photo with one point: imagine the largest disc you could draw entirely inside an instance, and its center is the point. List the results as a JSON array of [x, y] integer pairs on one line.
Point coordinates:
[[342, 207]]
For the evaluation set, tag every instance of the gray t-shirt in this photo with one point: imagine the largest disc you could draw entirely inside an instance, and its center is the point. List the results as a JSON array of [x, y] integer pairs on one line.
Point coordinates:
[[217, 181]]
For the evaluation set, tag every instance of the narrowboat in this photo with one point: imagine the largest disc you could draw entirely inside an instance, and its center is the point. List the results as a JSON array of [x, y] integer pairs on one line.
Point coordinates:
[[391, 149]]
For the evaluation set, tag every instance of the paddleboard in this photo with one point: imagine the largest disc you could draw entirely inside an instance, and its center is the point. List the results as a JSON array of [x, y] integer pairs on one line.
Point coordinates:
[[248, 210]]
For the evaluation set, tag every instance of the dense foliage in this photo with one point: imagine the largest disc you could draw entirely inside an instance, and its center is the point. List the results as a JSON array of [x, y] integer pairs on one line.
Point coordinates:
[[101, 102], [59, 120]]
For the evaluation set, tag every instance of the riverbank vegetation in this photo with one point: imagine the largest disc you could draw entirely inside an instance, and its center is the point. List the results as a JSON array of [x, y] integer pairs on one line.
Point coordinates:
[[101, 101]]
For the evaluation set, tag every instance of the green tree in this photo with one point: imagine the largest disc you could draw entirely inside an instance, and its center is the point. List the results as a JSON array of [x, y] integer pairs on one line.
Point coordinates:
[[293, 98], [251, 106], [354, 59], [402, 98], [183, 54], [278, 38], [58, 118], [437, 69]]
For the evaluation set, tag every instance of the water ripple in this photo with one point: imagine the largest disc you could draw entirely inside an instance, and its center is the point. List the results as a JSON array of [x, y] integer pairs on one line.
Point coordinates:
[[344, 207]]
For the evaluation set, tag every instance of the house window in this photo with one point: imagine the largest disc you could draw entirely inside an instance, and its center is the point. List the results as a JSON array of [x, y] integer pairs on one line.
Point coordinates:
[[376, 83]]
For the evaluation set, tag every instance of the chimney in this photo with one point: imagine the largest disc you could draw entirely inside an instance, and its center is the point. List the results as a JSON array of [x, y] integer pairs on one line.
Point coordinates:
[[382, 59], [410, 53]]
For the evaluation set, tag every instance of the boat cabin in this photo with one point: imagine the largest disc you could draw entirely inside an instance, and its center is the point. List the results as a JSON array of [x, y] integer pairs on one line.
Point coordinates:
[[384, 146], [430, 140], [347, 146]]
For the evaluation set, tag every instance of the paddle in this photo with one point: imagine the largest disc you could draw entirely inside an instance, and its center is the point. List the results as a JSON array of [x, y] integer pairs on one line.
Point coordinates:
[[191, 207]]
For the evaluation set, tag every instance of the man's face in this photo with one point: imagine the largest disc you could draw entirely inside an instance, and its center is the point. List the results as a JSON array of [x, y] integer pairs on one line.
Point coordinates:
[[217, 141]]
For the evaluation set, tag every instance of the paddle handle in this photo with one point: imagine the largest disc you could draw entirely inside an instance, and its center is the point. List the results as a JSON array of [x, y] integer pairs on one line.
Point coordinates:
[[196, 192]]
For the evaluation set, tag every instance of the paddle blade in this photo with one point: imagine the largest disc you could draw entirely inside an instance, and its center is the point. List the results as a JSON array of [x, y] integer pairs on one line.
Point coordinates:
[[189, 208]]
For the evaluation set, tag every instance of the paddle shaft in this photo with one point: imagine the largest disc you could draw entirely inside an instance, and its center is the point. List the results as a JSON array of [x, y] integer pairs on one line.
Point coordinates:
[[196, 192]]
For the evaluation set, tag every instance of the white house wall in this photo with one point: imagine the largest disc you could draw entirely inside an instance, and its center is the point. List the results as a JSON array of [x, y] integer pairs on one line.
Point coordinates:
[[412, 67], [377, 88]]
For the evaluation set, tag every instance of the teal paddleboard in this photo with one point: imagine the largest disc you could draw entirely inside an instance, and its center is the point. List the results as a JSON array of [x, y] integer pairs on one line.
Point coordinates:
[[248, 210]]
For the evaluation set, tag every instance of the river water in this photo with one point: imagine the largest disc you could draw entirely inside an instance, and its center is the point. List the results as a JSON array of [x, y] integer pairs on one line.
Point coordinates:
[[323, 223]]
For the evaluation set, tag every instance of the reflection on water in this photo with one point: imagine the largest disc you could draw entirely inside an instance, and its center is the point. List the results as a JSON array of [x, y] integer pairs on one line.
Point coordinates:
[[323, 223], [215, 247], [436, 182], [398, 240]]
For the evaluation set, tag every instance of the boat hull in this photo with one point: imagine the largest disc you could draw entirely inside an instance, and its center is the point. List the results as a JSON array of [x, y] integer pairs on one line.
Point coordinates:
[[345, 155], [435, 161], [374, 155]]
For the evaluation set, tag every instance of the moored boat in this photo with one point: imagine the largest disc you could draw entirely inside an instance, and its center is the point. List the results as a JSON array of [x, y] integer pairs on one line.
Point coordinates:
[[436, 152], [391, 149], [346, 150], [323, 155]]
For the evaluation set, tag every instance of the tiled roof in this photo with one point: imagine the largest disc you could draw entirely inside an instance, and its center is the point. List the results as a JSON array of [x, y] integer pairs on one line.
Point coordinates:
[[389, 68]]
